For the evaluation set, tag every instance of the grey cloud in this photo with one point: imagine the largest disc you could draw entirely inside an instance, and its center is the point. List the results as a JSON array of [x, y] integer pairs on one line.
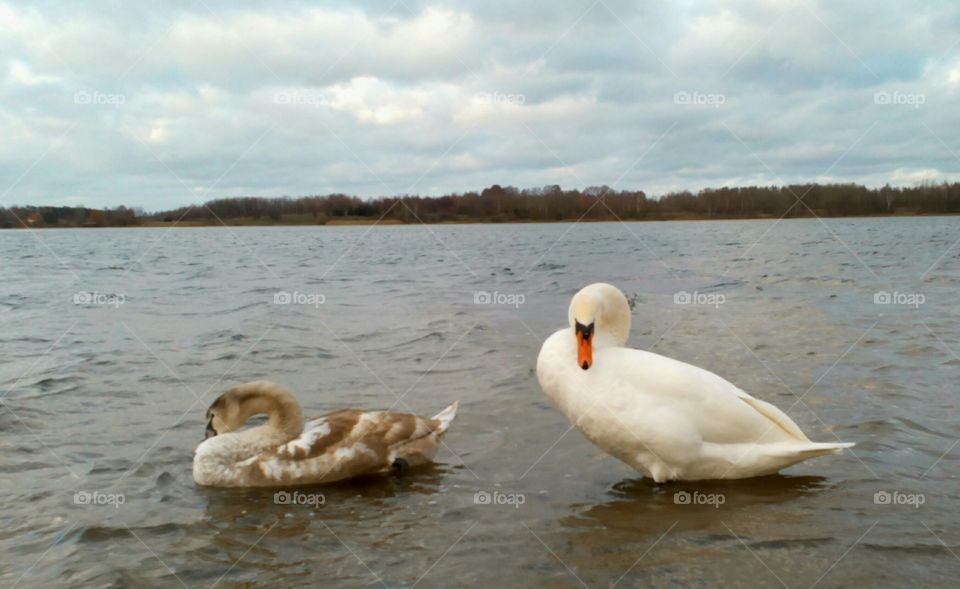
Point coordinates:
[[301, 99]]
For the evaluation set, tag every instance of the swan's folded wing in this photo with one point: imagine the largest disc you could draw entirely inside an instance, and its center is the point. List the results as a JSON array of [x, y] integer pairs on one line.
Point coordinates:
[[774, 418], [719, 410], [775, 415]]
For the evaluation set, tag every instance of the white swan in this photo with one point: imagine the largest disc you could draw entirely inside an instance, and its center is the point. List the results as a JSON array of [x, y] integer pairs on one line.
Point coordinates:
[[667, 419], [288, 451]]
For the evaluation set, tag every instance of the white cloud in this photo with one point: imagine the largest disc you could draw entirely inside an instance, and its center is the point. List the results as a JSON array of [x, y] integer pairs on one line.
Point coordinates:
[[302, 99], [20, 73], [907, 176]]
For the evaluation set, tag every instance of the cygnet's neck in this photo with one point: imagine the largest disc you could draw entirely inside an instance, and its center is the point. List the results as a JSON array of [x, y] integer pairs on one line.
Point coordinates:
[[284, 417]]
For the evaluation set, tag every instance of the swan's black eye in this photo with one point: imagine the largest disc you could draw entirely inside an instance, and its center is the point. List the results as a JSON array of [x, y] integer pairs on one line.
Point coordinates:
[[586, 330]]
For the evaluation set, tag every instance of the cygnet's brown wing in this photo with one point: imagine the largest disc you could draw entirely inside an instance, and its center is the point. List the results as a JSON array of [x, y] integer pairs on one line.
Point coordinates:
[[345, 444]]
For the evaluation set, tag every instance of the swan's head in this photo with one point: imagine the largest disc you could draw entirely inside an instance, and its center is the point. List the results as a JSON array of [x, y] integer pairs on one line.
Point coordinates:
[[233, 408], [600, 317], [224, 415]]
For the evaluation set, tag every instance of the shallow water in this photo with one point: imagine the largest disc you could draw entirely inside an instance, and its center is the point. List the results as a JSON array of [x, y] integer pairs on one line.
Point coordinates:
[[106, 400]]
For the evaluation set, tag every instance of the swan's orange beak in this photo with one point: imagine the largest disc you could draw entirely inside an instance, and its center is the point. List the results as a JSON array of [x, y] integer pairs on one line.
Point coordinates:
[[584, 345]]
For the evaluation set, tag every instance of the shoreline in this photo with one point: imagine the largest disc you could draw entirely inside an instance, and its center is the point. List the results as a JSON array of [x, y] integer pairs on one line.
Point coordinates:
[[367, 222]]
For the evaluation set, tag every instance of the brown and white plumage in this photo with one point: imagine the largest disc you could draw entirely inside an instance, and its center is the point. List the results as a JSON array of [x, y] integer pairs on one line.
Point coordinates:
[[287, 450]]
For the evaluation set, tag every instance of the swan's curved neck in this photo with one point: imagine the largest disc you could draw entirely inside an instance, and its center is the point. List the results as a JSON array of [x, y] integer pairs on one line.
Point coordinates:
[[604, 306], [284, 417]]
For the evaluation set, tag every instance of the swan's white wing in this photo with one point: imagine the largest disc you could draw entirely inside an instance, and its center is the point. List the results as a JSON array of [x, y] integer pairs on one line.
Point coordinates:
[[716, 409], [775, 415]]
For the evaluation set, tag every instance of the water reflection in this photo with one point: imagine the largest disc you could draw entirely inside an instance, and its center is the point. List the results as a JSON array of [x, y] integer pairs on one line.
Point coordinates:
[[641, 505], [605, 539], [314, 532], [329, 501]]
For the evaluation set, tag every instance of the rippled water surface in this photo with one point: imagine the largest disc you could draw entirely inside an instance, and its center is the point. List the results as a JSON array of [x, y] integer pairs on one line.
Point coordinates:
[[107, 401]]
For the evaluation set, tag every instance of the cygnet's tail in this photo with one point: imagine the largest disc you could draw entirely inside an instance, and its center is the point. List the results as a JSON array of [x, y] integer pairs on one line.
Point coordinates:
[[445, 417]]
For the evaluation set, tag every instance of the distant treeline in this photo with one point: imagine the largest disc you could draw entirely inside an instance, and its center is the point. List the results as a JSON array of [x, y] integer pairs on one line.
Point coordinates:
[[505, 204], [29, 216]]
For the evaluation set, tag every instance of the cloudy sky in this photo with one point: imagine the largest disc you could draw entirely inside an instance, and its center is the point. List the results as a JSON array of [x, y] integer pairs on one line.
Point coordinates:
[[162, 104]]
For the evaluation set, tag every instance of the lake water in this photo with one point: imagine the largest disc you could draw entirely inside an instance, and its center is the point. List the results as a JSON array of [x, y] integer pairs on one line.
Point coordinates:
[[114, 342]]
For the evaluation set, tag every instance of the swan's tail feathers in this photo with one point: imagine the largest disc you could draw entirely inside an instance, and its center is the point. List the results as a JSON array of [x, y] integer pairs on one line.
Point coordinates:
[[810, 450], [445, 417]]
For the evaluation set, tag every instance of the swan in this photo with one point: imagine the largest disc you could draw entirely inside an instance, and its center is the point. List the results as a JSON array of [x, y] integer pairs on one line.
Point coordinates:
[[288, 451], [665, 418]]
